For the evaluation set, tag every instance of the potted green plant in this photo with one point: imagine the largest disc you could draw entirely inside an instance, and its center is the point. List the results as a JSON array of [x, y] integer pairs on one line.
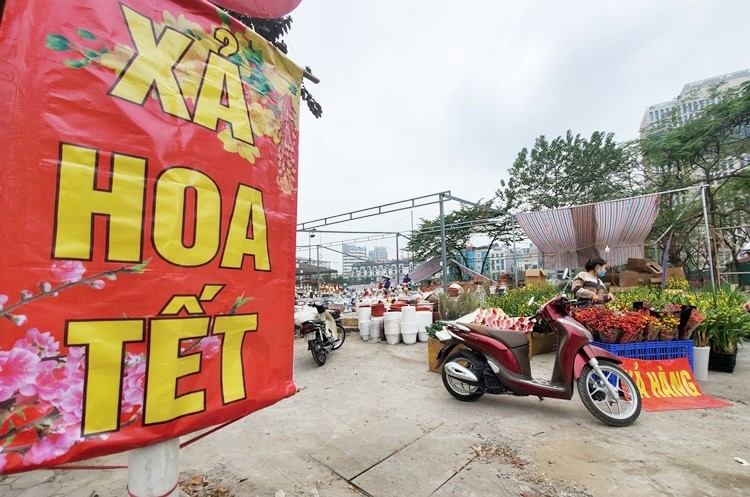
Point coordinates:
[[727, 326]]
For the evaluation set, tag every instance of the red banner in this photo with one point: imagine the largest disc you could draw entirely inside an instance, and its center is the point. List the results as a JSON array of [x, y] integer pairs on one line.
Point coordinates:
[[149, 165], [668, 384]]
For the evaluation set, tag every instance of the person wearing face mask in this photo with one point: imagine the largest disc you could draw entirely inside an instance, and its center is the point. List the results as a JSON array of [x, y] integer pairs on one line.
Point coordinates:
[[587, 285]]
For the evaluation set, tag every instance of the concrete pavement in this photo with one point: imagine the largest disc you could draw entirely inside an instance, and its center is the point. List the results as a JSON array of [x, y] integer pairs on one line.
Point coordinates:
[[373, 421]]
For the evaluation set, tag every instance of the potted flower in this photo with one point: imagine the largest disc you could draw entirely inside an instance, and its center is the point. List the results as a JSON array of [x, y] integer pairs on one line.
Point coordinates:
[[726, 326]]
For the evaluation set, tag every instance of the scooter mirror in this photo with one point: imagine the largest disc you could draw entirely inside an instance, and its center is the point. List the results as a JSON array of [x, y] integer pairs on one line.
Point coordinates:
[[566, 273], [531, 300]]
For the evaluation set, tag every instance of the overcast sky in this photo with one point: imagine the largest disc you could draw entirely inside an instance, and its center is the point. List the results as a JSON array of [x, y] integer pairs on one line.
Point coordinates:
[[426, 96]]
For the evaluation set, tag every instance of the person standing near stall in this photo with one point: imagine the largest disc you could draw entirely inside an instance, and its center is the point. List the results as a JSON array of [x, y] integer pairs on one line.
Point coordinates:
[[587, 285], [386, 284]]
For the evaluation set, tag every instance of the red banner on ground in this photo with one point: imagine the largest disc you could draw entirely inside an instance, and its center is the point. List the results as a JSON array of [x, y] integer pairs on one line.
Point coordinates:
[[149, 173], [668, 384]]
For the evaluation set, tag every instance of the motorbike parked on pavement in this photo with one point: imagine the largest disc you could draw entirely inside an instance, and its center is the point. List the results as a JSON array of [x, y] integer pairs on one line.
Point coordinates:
[[497, 362], [324, 334]]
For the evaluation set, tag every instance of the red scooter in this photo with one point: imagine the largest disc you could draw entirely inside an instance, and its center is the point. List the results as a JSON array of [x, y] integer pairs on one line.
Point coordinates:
[[497, 362]]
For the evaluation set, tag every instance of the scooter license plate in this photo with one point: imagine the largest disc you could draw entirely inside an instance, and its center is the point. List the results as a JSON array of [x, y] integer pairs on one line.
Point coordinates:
[[309, 336]]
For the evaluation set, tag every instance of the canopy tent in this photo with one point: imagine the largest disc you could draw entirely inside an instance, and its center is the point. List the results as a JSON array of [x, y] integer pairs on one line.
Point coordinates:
[[568, 236]]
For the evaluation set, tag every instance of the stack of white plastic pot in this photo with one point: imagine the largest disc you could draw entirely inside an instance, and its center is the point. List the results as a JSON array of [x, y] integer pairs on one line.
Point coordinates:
[[392, 325], [364, 313], [409, 325], [424, 319], [376, 328]]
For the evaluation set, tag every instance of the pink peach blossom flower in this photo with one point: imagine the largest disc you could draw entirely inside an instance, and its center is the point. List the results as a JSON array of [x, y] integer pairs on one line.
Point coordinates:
[[17, 368], [18, 319], [210, 346], [55, 444], [133, 383], [3, 300], [43, 344], [68, 271]]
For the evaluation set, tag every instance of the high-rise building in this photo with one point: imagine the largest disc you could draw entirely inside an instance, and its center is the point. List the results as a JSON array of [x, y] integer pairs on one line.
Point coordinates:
[[693, 98], [691, 101], [352, 254], [378, 254]]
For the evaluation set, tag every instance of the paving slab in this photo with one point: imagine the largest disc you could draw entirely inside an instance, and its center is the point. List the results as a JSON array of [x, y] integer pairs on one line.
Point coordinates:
[[354, 454], [421, 467]]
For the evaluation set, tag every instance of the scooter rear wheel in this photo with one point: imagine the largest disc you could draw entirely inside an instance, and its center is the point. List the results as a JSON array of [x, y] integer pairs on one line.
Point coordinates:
[[318, 353], [620, 411], [460, 390]]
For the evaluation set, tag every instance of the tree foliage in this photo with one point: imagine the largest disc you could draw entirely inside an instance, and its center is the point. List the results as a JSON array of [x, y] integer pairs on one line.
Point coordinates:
[[274, 30], [569, 170], [460, 226], [700, 153]]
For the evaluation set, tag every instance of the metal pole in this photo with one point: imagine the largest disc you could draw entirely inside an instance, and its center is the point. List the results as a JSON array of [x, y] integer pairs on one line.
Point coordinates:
[[515, 255], [708, 238], [154, 470], [398, 266], [317, 275], [442, 245]]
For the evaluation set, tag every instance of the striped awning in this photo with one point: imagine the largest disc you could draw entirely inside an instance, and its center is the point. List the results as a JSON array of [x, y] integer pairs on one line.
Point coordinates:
[[569, 236]]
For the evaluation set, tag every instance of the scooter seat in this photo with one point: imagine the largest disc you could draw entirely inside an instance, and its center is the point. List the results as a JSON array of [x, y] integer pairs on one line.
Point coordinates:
[[512, 339]]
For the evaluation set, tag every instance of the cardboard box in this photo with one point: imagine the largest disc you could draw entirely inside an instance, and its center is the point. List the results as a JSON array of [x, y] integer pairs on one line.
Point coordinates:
[[433, 347], [676, 272], [630, 278], [541, 343], [535, 276], [644, 266]]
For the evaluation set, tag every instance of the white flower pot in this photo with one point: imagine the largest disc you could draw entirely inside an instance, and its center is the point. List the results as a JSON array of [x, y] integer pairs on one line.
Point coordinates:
[[700, 361]]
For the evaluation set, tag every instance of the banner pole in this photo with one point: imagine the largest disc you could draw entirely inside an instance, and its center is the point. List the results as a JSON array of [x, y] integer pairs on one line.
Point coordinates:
[[153, 471]]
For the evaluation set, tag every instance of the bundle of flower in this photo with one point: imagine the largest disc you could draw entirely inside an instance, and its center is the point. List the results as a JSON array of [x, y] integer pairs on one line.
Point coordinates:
[[688, 319], [496, 318], [614, 325], [667, 326]]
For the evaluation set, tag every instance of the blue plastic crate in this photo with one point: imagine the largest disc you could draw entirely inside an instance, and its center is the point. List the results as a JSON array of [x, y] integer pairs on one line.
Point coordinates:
[[673, 349]]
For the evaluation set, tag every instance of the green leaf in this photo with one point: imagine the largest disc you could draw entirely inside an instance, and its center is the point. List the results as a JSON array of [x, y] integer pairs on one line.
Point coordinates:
[[57, 42], [192, 35], [75, 64], [241, 301], [226, 20], [138, 268], [293, 89], [85, 34], [91, 54], [104, 50]]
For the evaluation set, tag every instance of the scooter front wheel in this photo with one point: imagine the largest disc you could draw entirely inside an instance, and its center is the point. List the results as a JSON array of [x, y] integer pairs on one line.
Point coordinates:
[[460, 390], [318, 353], [342, 336], [622, 410]]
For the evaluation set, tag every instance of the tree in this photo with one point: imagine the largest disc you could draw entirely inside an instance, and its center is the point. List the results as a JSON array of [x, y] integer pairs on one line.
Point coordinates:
[[569, 170], [460, 225], [274, 30], [700, 152]]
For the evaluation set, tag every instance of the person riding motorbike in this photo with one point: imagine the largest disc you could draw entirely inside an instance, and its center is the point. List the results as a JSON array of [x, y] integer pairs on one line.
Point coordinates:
[[587, 285]]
